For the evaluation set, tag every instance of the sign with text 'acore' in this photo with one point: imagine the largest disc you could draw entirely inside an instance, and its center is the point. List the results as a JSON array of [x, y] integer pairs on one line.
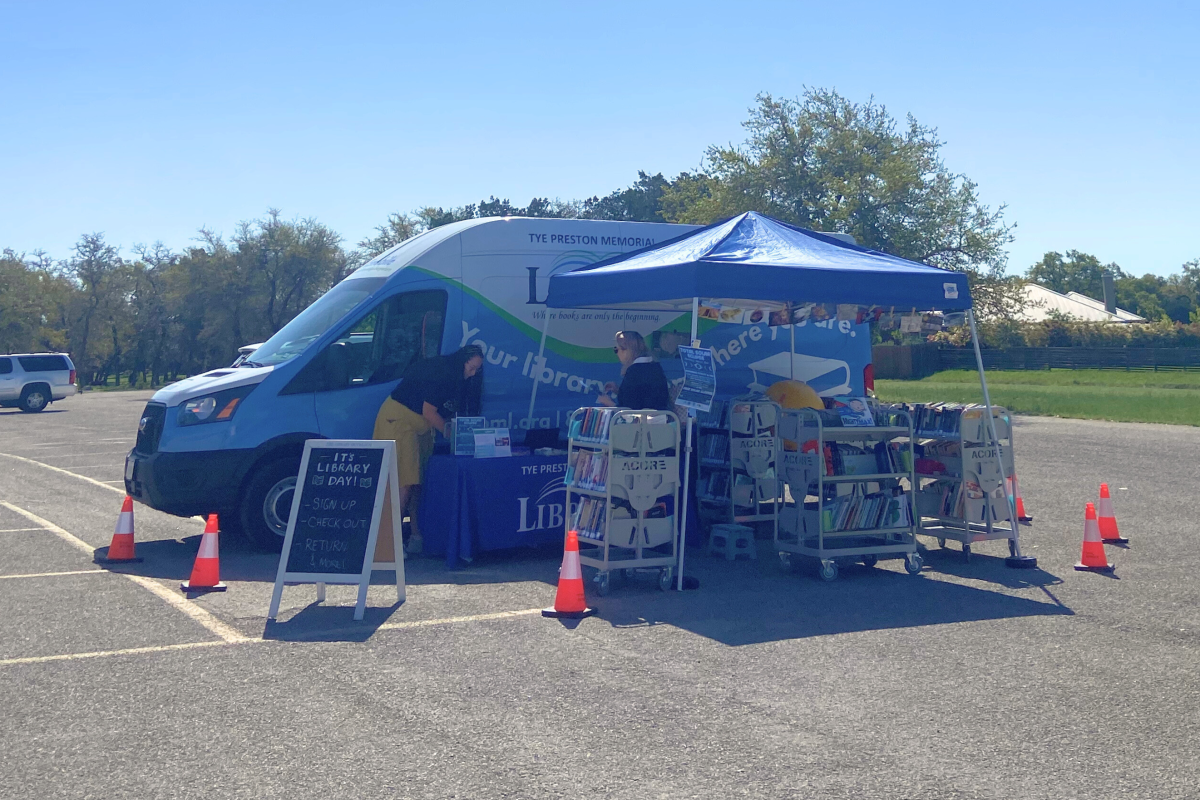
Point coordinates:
[[342, 491]]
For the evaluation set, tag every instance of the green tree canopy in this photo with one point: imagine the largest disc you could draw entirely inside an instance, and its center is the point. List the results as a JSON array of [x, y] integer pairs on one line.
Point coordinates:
[[827, 163]]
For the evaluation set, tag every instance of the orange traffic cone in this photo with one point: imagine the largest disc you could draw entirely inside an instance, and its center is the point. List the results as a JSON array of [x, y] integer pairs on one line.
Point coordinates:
[[1021, 515], [206, 572], [1108, 520], [570, 601], [122, 548], [1093, 558]]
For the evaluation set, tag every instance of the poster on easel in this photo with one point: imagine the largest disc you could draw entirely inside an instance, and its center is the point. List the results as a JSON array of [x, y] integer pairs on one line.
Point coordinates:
[[345, 490], [699, 378]]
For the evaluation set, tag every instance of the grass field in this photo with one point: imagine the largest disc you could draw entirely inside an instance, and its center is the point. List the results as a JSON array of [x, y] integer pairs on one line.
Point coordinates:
[[1169, 397]]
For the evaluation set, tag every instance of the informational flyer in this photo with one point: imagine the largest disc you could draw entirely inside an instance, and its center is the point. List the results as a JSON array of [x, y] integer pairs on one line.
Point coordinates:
[[699, 378], [485, 443], [464, 434]]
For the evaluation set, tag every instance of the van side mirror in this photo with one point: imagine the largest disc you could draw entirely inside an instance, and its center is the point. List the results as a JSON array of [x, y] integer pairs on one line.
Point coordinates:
[[337, 365]]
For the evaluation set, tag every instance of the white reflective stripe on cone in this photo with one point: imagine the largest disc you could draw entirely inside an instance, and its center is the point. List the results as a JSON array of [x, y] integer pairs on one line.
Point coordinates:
[[208, 545], [571, 569], [1105, 507], [1091, 530], [125, 522]]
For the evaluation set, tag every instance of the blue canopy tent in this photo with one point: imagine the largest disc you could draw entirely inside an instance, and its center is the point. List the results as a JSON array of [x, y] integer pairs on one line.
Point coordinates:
[[755, 259]]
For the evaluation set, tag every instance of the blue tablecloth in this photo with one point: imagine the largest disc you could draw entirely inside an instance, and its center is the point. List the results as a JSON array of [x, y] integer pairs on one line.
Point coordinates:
[[472, 505]]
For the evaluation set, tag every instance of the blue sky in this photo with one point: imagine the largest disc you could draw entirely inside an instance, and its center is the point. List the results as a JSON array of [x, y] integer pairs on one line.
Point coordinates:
[[148, 121]]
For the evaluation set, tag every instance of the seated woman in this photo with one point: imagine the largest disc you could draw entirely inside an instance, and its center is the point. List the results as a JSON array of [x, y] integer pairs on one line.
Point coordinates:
[[643, 383]]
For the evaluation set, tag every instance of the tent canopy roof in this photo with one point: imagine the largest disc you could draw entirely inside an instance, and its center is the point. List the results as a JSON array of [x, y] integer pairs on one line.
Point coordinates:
[[755, 259]]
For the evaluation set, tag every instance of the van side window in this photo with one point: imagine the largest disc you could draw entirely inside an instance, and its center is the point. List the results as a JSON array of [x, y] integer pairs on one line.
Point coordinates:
[[5, 366], [380, 345]]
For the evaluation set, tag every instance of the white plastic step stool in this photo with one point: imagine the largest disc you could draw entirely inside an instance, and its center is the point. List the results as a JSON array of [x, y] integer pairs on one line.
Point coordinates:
[[732, 541]]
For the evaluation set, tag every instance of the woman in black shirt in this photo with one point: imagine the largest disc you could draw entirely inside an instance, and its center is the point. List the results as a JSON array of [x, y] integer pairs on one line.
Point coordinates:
[[643, 383], [432, 391]]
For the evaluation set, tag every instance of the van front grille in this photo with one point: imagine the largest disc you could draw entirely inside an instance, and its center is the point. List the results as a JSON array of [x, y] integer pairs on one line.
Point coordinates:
[[150, 429]]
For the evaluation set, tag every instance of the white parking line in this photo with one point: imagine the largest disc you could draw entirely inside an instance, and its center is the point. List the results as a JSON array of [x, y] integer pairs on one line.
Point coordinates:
[[211, 623], [390, 626], [54, 574], [65, 472], [106, 653], [20, 530]]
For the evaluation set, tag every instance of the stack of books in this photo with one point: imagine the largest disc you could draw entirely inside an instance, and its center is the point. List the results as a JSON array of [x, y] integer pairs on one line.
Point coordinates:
[[714, 450], [587, 470], [872, 511], [590, 518], [593, 425]]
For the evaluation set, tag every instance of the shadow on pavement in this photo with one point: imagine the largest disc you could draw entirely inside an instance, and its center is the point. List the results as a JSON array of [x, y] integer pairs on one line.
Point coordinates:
[[322, 623], [744, 603], [172, 559], [738, 603]]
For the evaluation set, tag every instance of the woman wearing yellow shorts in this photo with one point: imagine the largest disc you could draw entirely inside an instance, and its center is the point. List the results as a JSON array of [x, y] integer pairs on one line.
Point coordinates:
[[431, 392]]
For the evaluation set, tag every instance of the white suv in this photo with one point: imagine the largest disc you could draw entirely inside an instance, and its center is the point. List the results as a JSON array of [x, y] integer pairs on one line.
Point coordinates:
[[33, 381]]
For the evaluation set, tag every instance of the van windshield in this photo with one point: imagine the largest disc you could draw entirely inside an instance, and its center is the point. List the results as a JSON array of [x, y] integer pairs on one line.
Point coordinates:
[[329, 310]]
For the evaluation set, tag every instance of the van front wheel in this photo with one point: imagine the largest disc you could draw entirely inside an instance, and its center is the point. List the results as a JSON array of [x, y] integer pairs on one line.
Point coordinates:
[[267, 503]]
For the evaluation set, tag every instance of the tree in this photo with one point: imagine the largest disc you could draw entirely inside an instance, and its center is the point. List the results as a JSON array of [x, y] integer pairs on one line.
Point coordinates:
[[641, 202], [829, 164], [98, 272], [31, 297], [397, 229], [1077, 272]]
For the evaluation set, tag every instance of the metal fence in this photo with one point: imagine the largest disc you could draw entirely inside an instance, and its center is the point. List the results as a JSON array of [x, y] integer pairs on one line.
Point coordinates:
[[917, 361]]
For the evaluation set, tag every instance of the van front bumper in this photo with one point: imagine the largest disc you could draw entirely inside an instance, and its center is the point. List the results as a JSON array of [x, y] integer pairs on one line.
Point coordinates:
[[187, 484]]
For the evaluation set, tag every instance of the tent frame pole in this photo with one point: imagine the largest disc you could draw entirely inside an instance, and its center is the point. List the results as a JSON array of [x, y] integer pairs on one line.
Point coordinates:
[[687, 464], [792, 360], [1016, 559], [536, 370]]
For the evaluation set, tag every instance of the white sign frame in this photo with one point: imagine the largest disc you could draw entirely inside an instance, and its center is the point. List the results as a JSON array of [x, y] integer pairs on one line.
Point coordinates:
[[387, 483]]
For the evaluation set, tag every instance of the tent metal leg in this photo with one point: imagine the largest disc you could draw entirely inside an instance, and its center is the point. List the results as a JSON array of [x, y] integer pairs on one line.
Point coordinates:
[[537, 370], [687, 464], [1016, 560], [792, 357]]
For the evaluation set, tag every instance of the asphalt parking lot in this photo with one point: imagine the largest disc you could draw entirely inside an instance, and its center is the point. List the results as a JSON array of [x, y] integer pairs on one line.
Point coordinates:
[[968, 681]]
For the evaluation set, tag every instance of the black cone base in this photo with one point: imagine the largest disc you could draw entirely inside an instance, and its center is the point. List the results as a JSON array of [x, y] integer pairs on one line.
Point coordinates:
[[220, 587], [1107, 569], [1118, 540], [1021, 562], [550, 612]]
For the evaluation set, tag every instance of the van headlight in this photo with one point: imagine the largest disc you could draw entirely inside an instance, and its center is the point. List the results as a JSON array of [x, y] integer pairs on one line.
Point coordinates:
[[219, 407]]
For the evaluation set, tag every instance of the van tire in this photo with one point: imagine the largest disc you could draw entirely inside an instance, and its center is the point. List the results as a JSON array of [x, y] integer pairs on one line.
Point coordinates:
[[266, 503], [35, 398]]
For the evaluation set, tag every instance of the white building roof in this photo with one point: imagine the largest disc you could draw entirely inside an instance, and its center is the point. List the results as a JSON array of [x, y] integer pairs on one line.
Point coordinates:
[[1041, 302]]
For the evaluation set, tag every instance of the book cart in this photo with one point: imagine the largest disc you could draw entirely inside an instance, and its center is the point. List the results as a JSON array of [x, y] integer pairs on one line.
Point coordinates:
[[623, 491], [848, 494], [739, 461], [962, 492], [712, 477]]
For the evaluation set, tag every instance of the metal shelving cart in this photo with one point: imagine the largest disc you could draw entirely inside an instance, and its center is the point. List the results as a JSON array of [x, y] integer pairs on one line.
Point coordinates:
[[822, 506], [754, 461], [968, 501], [623, 491]]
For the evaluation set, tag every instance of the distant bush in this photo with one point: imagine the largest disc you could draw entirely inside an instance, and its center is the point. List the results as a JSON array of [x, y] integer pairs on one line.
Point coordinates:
[[1073, 333]]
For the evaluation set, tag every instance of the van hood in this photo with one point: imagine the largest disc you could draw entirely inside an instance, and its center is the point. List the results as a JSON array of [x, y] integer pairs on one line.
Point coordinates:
[[208, 383]]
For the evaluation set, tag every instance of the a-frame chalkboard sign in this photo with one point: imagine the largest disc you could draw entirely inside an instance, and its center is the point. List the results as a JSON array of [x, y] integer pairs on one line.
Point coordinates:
[[341, 492]]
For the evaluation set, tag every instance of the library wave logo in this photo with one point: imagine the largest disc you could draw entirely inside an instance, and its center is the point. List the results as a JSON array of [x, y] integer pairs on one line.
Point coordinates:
[[547, 510], [552, 488]]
